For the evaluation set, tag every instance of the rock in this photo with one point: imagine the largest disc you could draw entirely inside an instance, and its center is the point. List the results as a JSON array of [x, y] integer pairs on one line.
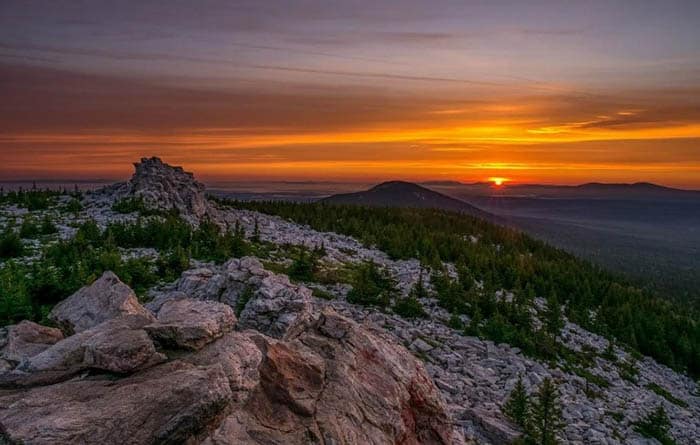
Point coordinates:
[[164, 187], [420, 345], [332, 381], [159, 300], [119, 345], [120, 350], [495, 427], [335, 382], [171, 403], [191, 324], [239, 356], [104, 299], [275, 306], [26, 339], [200, 283]]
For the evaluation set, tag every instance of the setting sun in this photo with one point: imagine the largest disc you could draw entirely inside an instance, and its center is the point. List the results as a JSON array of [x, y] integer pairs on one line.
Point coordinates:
[[498, 181]]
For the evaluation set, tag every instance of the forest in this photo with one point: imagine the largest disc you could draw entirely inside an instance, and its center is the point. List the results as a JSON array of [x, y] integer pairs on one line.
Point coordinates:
[[29, 290], [489, 257]]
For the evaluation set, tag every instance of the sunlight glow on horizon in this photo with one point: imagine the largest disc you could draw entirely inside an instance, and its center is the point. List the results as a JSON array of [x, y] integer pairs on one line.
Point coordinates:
[[498, 180]]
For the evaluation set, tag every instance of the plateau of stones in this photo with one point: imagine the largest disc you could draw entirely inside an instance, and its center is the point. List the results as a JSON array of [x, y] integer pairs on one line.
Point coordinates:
[[237, 353]]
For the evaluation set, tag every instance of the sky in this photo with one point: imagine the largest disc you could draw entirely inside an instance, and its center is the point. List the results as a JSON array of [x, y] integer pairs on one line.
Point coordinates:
[[360, 90]]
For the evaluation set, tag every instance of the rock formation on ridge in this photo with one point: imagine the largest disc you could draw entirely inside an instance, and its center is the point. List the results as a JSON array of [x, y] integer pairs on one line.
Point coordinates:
[[163, 187]]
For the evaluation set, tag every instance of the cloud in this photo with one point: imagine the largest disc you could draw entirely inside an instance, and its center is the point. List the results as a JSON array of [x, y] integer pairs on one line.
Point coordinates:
[[551, 32], [150, 56], [56, 119]]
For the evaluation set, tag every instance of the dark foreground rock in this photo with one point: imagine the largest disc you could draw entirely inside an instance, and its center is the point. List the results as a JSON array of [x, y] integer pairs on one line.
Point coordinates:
[[329, 380]]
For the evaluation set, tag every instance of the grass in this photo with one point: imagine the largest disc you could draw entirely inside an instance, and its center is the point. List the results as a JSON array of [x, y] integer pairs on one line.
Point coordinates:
[[666, 395]]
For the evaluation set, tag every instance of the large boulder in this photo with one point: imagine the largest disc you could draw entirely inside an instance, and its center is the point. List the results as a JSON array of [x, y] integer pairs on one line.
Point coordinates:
[[171, 404], [239, 355], [26, 339], [104, 299], [120, 345], [191, 324], [165, 187], [277, 307]]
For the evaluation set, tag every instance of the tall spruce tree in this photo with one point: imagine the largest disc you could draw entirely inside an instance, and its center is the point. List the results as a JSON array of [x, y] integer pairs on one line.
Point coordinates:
[[545, 415], [256, 232]]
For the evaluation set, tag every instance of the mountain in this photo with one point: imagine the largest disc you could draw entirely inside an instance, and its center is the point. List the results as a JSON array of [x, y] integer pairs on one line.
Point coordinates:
[[188, 337], [591, 190], [405, 194]]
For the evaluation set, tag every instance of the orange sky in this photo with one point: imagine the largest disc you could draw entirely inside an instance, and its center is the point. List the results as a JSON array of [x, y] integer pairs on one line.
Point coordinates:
[[549, 138], [544, 93]]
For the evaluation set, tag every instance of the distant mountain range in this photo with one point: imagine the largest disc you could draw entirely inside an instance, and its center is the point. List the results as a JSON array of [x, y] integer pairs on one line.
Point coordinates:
[[591, 190], [650, 232], [406, 194]]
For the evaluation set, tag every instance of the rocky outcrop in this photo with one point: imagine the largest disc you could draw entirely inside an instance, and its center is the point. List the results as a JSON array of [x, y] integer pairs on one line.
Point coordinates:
[[104, 299], [164, 187], [475, 376], [267, 302], [161, 187], [337, 383], [327, 380]]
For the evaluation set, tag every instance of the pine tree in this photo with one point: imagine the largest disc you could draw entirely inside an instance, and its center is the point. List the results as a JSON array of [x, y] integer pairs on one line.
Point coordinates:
[[518, 404], [239, 247], [553, 320], [409, 307], [545, 415], [372, 286], [256, 232], [474, 327], [320, 251], [304, 266], [418, 290]]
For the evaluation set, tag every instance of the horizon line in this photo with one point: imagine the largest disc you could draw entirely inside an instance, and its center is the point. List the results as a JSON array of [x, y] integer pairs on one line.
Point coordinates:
[[506, 184]]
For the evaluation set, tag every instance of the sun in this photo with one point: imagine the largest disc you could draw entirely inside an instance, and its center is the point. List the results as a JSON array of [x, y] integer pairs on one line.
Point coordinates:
[[498, 181]]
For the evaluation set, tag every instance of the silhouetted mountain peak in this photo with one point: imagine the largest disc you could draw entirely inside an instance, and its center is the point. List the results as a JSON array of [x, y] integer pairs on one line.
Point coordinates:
[[405, 194], [396, 185]]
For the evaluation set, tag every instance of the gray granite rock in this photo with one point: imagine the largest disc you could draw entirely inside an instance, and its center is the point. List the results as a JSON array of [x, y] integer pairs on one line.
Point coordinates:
[[104, 299]]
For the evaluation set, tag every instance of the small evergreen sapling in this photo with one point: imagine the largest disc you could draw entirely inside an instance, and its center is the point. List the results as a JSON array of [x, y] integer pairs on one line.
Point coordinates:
[[656, 424], [410, 306]]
